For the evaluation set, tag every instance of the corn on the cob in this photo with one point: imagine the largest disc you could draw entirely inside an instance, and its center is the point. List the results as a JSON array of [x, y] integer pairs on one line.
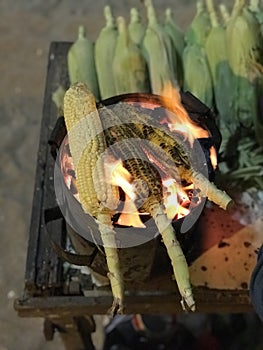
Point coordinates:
[[245, 56], [199, 27], [175, 150], [97, 197], [258, 12], [224, 13], [197, 75], [110, 130], [136, 27], [158, 53], [177, 37], [222, 77], [58, 98], [123, 140], [81, 63], [104, 54], [129, 66]]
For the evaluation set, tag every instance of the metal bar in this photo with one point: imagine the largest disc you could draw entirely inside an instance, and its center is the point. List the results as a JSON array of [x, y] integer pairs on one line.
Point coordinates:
[[43, 269], [209, 300]]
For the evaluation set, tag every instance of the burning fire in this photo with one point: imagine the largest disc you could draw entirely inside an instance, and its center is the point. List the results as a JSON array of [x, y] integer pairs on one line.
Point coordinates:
[[122, 178], [176, 196]]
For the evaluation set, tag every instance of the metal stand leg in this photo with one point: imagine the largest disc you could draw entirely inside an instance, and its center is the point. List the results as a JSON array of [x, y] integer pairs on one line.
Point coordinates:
[[75, 332]]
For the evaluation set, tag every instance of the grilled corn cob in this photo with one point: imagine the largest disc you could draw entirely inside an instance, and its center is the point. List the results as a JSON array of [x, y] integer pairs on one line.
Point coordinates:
[[147, 183], [154, 48], [97, 197], [136, 27], [177, 38], [174, 148], [104, 54], [129, 66], [110, 130], [81, 63]]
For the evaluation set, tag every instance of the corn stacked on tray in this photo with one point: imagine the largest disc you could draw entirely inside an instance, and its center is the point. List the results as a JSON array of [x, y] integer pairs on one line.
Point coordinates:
[[218, 58]]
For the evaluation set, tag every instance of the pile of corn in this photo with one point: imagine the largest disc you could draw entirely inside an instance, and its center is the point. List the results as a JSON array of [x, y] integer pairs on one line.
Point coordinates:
[[218, 59]]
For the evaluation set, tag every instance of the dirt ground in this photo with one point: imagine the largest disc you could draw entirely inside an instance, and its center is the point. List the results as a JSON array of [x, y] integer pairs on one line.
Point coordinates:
[[26, 29]]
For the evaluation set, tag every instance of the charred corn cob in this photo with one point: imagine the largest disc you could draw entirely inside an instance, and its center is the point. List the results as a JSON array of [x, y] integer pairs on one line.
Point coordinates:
[[175, 150], [104, 54], [97, 197], [81, 63], [123, 139], [158, 52], [129, 66], [177, 37], [136, 27]]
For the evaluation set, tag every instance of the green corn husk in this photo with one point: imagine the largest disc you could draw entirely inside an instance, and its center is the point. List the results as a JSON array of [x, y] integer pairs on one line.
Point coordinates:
[[257, 10], [224, 13], [58, 99], [222, 77], [199, 28], [104, 54], [177, 37], [129, 66], [244, 53], [159, 53], [81, 63], [136, 27], [197, 76]]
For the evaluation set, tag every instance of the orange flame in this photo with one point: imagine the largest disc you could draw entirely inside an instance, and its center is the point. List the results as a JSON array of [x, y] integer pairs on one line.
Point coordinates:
[[176, 199], [213, 157], [179, 119], [122, 178], [129, 215]]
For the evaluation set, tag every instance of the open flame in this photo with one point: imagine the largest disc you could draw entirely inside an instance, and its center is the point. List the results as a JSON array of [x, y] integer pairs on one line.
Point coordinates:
[[177, 197], [122, 178], [179, 119]]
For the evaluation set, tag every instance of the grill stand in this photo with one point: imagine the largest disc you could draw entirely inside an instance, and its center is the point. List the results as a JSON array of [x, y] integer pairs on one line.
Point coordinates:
[[59, 300]]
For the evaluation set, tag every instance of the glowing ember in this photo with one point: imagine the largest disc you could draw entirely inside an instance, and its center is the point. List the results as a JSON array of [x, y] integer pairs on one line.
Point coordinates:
[[213, 157]]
